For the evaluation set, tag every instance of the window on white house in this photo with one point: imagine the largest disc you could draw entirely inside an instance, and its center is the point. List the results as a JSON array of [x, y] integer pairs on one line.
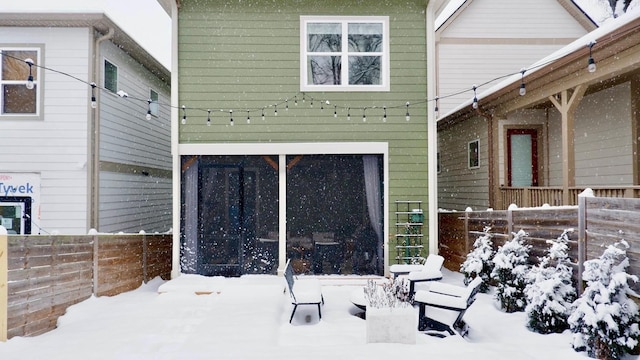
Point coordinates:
[[474, 154], [340, 53], [153, 96], [18, 97], [110, 76]]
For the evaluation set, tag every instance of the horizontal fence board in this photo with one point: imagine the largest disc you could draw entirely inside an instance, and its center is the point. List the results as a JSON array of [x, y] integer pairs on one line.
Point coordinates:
[[49, 273], [608, 220]]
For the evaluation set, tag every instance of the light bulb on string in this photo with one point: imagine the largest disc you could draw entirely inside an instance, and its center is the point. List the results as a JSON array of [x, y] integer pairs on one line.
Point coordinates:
[[475, 98], [384, 117], [262, 114], [184, 114], [523, 88], [231, 117], [30, 84], [407, 117], [364, 115], [295, 100], [248, 118], [148, 116], [94, 103], [335, 111], [286, 105], [208, 117], [591, 63], [275, 112], [436, 111], [349, 114]]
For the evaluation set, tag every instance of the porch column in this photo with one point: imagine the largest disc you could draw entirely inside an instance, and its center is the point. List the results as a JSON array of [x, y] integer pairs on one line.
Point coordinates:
[[635, 130], [495, 197], [566, 105]]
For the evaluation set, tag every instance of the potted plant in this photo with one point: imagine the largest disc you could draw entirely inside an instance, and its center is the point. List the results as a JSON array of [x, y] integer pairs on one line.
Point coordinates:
[[390, 316]]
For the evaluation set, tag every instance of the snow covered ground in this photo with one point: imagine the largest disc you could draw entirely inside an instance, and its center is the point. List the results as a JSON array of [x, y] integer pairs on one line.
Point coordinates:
[[247, 318]]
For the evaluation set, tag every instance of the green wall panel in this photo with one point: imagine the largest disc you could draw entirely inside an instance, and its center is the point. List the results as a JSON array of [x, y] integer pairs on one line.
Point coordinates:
[[245, 55]]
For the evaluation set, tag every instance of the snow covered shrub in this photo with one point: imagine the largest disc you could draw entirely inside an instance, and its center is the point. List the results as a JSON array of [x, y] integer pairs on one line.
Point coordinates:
[[479, 261], [550, 292], [605, 321], [510, 273]]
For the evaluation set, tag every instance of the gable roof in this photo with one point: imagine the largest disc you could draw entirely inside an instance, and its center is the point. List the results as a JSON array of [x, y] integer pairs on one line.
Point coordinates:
[[569, 5], [612, 40], [98, 21]]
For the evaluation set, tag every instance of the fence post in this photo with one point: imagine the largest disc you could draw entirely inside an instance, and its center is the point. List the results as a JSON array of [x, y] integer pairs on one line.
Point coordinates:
[[582, 240], [95, 265], [4, 282], [145, 259]]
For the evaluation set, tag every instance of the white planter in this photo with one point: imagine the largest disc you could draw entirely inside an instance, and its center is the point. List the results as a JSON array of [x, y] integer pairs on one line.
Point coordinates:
[[386, 325]]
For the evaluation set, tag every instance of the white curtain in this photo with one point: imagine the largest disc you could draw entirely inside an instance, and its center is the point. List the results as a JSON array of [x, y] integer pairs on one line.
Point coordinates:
[[190, 249], [374, 201]]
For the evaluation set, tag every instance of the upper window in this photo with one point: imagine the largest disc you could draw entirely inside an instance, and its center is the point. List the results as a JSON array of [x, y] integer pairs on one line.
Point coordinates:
[[110, 76], [19, 81], [361, 44], [153, 106]]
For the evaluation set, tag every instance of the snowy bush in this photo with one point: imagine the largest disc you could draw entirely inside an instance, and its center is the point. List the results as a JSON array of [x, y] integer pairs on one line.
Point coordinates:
[[479, 261], [550, 292], [510, 273], [604, 321]]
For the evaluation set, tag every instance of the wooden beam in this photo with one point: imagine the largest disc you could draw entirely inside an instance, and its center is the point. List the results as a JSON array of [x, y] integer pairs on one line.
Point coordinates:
[[4, 282], [567, 105]]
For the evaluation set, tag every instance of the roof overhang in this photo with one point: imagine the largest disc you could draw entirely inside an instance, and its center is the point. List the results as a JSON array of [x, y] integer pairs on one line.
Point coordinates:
[[616, 53], [98, 21]]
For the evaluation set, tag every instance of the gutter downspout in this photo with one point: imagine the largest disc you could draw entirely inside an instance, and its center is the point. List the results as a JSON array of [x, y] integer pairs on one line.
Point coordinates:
[[94, 128], [432, 128], [175, 156]]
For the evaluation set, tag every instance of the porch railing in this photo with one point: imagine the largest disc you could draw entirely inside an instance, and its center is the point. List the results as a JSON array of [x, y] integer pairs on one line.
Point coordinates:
[[538, 196]]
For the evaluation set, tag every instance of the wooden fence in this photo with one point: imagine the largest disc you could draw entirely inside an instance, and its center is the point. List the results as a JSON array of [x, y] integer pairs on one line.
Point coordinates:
[[45, 274], [597, 222]]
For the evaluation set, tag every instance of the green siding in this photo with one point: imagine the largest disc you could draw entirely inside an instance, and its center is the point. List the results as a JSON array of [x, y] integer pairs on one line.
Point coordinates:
[[245, 55]]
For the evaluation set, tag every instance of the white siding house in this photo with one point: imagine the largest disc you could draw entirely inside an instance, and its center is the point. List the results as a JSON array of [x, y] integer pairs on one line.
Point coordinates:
[[483, 40], [67, 166]]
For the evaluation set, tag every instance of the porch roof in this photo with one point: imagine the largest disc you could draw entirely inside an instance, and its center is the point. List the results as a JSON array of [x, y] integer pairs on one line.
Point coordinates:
[[617, 44]]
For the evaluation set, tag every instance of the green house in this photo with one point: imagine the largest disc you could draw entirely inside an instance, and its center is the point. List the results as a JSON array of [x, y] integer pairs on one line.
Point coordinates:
[[301, 132]]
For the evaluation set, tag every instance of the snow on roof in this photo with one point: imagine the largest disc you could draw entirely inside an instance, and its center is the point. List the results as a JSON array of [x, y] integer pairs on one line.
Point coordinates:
[[580, 43]]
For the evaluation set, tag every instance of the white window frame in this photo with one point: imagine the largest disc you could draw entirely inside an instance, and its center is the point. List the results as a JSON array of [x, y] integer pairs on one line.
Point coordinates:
[[38, 82], [104, 75], [470, 151], [345, 21], [154, 105]]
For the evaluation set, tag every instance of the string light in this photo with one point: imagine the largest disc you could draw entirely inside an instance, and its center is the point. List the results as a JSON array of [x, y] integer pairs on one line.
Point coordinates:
[[522, 91], [335, 111], [208, 117], [286, 107], [262, 114], [248, 118], [148, 116], [407, 116], [30, 84], [475, 98], [523, 88], [364, 115], [94, 103], [591, 63], [435, 110]]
